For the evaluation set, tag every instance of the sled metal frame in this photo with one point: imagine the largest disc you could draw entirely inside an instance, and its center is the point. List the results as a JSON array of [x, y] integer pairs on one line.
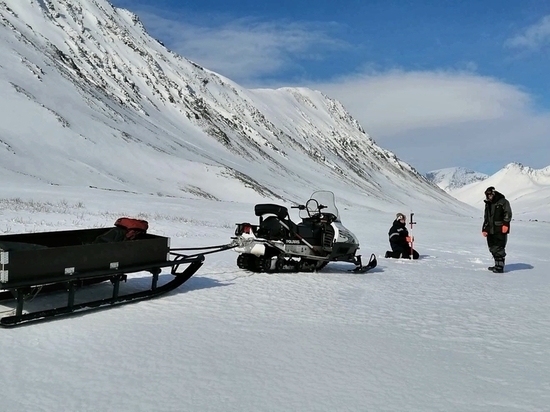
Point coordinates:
[[65, 261]]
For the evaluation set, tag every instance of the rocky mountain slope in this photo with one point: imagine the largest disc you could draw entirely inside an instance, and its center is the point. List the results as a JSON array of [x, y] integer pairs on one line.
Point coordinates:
[[85, 86]]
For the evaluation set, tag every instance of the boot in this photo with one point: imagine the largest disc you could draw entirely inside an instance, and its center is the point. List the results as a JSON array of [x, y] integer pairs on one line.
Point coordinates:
[[499, 266]]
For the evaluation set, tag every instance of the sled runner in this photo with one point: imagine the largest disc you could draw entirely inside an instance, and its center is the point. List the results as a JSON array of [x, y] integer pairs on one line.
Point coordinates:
[[68, 261], [276, 244]]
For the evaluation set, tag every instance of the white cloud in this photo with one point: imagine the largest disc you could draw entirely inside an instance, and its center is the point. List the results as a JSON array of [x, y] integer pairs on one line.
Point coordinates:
[[398, 101], [245, 49], [533, 37], [441, 119]]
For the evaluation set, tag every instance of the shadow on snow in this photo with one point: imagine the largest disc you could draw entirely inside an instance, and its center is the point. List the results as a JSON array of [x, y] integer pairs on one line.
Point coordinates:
[[512, 267]]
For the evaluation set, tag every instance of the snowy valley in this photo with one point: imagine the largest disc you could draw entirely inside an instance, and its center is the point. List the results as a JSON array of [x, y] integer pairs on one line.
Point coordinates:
[[98, 120]]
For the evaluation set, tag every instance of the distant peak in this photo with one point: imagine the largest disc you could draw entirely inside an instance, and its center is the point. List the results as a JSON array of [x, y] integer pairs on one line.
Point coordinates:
[[453, 178], [514, 165]]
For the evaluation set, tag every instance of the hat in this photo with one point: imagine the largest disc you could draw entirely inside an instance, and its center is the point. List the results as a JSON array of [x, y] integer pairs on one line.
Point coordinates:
[[490, 191], [400, 216]]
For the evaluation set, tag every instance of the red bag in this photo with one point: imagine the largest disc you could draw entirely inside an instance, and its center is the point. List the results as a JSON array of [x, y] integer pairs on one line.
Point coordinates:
[[134, 227]]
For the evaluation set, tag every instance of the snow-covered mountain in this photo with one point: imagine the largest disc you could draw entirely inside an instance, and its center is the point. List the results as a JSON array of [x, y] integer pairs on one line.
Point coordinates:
[[453, 178], [527, 189], [84, 82]]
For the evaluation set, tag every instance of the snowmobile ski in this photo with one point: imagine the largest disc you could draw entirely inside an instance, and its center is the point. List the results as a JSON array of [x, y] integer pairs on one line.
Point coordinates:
[[364, 269]]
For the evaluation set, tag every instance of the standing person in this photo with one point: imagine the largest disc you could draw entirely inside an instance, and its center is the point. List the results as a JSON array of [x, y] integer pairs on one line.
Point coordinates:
[[400, 239], [496, 226]]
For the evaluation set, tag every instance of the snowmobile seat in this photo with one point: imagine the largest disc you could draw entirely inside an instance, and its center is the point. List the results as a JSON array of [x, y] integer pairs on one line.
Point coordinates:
[[265, 208]]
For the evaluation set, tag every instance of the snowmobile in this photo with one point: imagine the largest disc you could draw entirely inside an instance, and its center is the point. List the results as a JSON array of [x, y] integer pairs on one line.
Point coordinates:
[[276, 244]]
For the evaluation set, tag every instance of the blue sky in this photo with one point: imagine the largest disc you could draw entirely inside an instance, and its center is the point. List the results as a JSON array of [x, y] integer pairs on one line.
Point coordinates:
[[440, 83]]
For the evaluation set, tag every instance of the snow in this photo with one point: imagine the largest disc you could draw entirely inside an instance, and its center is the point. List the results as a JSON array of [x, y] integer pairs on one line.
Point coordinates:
[[440, 333]]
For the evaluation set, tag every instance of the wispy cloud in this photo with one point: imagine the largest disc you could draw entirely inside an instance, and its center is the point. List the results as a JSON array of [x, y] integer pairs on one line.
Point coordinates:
[[533, 37], [246, 49]]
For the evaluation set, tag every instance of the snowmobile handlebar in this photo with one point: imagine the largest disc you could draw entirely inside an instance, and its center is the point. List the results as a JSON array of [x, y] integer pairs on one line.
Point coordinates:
[[304, 207]]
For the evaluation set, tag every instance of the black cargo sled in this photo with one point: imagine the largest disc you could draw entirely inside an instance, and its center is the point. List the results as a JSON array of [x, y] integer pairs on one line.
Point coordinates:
[[66, 261], [277, 244]]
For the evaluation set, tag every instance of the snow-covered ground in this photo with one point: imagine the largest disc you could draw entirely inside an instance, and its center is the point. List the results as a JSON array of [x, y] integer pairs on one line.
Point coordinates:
[[439, 334]]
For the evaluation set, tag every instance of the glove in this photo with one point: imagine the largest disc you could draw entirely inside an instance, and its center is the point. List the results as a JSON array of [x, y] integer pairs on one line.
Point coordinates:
[[505, 229], [484, 233]]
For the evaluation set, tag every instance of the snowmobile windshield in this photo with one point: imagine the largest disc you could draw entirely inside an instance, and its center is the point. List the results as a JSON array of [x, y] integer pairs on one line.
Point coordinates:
[[323, 203]]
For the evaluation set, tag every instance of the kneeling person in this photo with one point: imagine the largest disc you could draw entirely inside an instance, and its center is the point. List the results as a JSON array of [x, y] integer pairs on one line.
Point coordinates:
[[400, 239]]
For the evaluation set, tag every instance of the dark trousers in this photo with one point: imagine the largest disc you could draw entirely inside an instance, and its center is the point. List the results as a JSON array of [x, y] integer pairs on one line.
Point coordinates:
[[497, 247], [399, 251]]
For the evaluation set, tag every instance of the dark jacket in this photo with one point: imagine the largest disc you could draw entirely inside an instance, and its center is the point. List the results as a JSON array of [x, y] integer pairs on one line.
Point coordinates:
[[497, 213], [398, 236]]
